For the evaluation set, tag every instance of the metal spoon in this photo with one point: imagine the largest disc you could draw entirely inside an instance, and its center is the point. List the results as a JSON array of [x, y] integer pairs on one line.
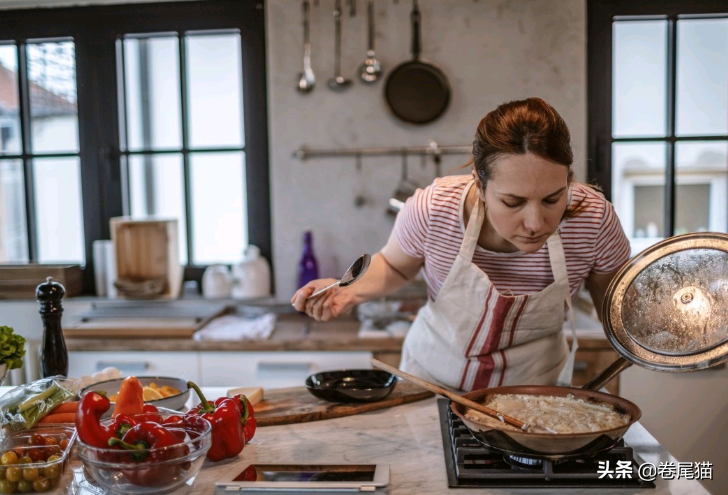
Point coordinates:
[[338, 82], [354, 273], [306, 79], [371, 70]]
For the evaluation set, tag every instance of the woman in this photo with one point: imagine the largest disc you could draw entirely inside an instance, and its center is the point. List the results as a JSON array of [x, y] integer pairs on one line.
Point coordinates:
[[503, 251]]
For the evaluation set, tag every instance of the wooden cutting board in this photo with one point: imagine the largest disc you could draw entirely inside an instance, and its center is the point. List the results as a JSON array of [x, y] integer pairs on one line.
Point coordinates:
[[296, 405], [153, 321]]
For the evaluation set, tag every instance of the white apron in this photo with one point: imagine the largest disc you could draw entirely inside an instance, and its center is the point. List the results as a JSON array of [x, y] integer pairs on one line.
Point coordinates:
[[473, 337]]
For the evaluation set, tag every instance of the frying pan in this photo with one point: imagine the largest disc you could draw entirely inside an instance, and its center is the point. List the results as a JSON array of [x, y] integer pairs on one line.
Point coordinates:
[[417, 92], [665, 310]]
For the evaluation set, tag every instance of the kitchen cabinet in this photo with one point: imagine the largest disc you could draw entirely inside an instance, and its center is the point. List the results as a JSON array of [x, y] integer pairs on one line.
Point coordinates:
[[273, 369], [177, 364], [220, 369], [592, 358]]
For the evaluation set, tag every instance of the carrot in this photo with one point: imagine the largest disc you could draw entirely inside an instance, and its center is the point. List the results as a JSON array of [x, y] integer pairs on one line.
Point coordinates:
[[65, 407], [58, 418], [131, 397]]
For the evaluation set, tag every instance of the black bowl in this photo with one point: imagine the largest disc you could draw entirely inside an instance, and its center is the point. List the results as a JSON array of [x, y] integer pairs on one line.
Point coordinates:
[[351, 385]]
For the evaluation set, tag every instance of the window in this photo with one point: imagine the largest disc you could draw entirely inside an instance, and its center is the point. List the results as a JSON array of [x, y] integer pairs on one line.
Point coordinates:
[[658, 115], [140, 110]]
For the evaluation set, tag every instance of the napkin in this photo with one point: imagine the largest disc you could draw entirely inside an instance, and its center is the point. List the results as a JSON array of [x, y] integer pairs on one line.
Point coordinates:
[[235, 327]]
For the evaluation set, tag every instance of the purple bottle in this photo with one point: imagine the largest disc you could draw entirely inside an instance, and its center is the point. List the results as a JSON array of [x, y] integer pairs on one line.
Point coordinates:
[[308, 266]]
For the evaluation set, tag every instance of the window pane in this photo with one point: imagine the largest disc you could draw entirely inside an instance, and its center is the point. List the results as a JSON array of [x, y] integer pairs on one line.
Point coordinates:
[[702, 77], [638, 184], [53, 113], [57, 188], [214, 82], [9, 116], [639, 78], [218, 207], [13, 226], [152, 93], [701, 186], [156, 189]]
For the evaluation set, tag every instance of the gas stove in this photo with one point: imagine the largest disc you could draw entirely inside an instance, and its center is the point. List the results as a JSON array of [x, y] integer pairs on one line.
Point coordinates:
[[469, 464]]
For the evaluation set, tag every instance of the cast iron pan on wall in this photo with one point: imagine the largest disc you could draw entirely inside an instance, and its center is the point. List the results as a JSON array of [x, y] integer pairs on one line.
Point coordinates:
[[417, 92]]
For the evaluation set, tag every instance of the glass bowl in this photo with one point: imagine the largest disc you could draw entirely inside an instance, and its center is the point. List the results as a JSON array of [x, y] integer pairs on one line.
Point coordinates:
[[162, 469]]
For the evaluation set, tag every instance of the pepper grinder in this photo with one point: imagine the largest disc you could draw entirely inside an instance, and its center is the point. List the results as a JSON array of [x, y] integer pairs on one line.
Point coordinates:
[[54, 356]]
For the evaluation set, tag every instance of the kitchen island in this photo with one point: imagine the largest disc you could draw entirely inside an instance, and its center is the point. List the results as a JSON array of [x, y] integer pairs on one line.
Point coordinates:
[[406, 437]]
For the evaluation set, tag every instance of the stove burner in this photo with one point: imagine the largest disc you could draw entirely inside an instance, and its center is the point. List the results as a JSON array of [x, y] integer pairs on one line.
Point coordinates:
[[523, 462], [470, 464]]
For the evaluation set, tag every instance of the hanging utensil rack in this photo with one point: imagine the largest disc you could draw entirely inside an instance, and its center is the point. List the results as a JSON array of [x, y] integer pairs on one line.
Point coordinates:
[[433, 149]]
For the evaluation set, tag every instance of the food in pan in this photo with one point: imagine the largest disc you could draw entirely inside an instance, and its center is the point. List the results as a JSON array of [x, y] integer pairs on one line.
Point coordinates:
[[564, 415]]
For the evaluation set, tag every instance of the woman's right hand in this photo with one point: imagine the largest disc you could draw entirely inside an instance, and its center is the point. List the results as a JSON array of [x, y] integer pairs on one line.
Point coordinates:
[[327, 306]]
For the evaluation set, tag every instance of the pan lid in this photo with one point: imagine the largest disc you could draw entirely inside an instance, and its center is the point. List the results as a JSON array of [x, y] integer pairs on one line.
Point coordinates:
[[667, 308]]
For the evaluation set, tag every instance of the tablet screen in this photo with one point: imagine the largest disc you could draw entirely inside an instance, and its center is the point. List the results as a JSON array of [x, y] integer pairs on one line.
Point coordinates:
[[307, 473]]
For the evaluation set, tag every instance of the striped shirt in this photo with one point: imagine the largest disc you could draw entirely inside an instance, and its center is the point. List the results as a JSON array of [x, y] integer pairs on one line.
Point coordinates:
[[430, 227]]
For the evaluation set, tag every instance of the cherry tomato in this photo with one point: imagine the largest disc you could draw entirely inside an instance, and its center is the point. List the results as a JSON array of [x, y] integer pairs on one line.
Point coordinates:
[[25, 460], [14, 473], [63, 444], [36, 439], [25, 486], [30, 473], [52, 471], [42, 485], [49, 450], [36, 455], [8, 458], [7, 486], [51, 441]]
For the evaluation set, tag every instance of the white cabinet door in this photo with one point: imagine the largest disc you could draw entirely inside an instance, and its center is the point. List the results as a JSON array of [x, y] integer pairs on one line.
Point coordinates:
[[176, 364], [273, 369]]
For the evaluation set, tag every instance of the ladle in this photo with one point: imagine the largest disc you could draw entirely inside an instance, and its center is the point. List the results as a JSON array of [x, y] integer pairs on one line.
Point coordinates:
[[371, 70], [354, 273], [338, 82], [461, 400], [306, 79]]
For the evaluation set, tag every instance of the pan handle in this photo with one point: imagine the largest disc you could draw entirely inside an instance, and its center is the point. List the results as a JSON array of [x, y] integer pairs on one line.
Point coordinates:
[[608, 374], [415, 16]]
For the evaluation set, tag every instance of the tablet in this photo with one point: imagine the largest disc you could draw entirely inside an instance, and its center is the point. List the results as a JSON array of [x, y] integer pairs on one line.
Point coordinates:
[[309, 477]]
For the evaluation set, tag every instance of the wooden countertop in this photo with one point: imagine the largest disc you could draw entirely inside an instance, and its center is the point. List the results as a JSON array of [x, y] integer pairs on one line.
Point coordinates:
[[292, 333]]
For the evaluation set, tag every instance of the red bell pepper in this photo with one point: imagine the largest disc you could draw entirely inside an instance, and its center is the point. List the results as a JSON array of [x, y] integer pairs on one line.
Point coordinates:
[[88, 420], [247, 415], [149, 440], [228, 433]]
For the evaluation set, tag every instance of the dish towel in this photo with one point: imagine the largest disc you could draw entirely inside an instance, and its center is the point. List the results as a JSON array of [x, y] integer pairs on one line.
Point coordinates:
[[235, 327]]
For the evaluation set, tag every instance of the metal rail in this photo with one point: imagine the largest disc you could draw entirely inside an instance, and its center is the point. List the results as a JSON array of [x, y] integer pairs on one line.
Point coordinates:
[[433, 149]]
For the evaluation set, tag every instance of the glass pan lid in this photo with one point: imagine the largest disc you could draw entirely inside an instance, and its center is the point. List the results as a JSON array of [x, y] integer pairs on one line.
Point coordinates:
[[667, 308]]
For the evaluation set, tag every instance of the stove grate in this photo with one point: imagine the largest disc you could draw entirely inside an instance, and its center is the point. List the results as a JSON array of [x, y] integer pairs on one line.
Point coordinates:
[[469, 464]]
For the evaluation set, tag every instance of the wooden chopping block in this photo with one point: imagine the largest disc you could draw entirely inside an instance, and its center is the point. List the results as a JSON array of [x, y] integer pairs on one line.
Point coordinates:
[[296, 405]]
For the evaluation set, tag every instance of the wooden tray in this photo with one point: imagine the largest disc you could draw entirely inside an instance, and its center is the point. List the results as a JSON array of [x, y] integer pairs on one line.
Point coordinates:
[[296, 405]]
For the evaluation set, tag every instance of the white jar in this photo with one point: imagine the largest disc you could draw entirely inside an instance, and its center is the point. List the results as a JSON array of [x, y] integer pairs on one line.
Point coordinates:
[[251, 277], [216, 282]]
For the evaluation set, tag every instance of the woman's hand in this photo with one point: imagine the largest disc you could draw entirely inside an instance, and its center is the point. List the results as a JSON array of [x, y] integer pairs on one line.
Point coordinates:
[[327, 306]]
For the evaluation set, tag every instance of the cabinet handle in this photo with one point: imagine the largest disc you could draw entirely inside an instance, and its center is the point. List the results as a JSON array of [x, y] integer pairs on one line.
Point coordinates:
[[129, 367], [284, 367], [581, 366]]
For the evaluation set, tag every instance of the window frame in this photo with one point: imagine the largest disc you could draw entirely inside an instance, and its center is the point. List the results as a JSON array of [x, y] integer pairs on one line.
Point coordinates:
[[600, 16], [95, 31]]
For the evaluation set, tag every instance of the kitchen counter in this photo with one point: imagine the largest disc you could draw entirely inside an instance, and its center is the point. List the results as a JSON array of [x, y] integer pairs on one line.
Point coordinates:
[[406, 437], [292, 333]]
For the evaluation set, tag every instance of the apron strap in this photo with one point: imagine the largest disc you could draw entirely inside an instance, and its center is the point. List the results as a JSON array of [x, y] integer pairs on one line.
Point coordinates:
[[558, 265], [472, 231]]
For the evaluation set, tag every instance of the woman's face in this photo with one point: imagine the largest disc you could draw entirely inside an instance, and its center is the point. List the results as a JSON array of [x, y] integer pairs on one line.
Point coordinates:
[[526, 198]]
